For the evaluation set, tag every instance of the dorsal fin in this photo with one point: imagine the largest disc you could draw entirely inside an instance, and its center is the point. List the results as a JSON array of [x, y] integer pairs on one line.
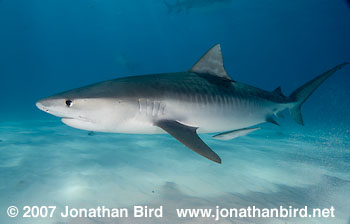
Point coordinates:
[[278, 91], [211, 63]]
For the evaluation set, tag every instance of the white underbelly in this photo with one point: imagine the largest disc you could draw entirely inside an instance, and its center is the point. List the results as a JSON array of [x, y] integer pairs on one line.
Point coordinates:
[[208, 118]]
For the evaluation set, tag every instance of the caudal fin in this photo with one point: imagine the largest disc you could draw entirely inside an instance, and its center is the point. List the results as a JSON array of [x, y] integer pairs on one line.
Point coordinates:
[[171, 7], [300, 95]]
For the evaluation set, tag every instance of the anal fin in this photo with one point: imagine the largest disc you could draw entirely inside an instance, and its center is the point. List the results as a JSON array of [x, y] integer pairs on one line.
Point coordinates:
[[235, 133], [280, 114], [271, 120], [188, 136]]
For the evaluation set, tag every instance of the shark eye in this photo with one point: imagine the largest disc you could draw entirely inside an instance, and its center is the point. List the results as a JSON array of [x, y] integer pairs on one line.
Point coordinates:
[[69, 103]]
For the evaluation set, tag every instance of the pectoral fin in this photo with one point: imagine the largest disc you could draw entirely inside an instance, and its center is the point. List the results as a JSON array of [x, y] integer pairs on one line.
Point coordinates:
[[188, 136], [235, 133]]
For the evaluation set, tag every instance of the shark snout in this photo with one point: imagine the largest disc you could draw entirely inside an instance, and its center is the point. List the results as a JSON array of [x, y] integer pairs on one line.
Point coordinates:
[[41, 105], [54, 106], [47, 105]]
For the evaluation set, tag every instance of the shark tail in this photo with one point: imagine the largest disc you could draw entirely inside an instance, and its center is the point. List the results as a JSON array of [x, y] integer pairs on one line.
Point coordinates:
[[170, 6], [300, 95]]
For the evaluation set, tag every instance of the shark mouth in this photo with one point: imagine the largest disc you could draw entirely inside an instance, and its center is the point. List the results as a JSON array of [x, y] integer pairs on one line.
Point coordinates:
[[80, 123], [80, 118]]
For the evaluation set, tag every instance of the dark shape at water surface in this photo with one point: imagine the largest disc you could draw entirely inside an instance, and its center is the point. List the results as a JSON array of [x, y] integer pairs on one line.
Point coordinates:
[[91, 133], [186, 5]]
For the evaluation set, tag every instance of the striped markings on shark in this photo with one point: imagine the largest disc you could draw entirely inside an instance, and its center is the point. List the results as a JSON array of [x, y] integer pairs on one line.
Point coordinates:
[[203, 99]]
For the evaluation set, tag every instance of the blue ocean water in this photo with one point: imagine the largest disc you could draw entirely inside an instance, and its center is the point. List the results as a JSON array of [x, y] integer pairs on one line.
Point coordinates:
[[51, 46]]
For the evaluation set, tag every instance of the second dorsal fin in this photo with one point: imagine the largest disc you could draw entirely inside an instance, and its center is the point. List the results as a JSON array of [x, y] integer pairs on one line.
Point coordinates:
[[278, 91], [211, 63]]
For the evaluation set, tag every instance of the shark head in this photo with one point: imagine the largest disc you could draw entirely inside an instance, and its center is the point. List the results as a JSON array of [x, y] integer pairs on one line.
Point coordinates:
[[92, 108]]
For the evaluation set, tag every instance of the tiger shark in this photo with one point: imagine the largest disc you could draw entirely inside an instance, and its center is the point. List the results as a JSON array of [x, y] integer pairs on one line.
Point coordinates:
[[203, 99]]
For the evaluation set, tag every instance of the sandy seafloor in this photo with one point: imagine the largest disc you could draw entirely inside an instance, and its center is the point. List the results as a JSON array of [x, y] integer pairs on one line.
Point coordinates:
[[44, 162]]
